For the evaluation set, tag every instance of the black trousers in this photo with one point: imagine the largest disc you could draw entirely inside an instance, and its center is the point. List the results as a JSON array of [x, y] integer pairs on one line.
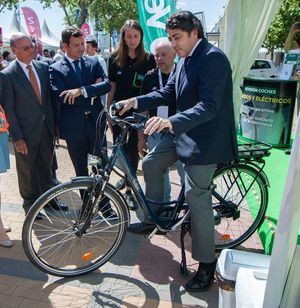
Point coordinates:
[[34, 169], [131, 145], [88, 144]]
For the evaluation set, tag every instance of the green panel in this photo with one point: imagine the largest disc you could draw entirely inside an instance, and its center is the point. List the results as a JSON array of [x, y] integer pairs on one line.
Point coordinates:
[[152, 17]]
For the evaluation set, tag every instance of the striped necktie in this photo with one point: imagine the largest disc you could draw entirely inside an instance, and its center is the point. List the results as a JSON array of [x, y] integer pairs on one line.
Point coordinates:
[[34, 83]]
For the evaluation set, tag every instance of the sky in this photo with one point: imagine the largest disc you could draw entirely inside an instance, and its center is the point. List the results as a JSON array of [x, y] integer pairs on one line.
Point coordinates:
[[213, 10]]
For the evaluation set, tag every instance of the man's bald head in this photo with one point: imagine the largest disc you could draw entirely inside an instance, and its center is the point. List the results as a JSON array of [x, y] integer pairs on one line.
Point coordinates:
[[164, 55]]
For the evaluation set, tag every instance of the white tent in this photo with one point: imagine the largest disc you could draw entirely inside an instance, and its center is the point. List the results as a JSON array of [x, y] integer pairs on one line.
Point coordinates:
[[243, 30], [244, 27], [48, 38]]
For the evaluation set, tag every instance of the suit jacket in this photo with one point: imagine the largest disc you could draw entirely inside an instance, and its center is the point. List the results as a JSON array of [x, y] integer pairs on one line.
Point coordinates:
[[25, 114], [72, 118], [201, 88]]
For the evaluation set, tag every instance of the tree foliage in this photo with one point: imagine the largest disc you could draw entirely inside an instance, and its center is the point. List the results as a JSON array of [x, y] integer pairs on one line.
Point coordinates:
[[288, 13], [108, 14], [9, 4]]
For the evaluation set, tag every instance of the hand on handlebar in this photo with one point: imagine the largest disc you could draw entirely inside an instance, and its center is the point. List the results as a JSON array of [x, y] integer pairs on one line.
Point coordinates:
[[126, 105], [156, 124]]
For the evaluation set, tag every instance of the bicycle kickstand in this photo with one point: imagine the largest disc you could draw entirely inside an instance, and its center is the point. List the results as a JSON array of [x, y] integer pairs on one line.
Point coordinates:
[[183, 267]]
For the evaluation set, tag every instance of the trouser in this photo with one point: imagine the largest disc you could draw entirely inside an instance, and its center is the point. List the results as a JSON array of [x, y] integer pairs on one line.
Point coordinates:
[[131, 145], [34, 169], [152, 141], [197, 192], [89, 143]]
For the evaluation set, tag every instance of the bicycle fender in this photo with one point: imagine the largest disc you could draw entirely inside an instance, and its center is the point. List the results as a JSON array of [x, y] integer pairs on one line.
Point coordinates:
[[83, 179]]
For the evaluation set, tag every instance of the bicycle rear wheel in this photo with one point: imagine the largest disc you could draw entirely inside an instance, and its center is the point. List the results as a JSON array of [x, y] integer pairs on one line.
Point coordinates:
[[240, 199], [73, 243]]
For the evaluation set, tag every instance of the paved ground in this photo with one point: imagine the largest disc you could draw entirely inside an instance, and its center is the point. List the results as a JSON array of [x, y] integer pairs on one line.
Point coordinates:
[[143, 273]]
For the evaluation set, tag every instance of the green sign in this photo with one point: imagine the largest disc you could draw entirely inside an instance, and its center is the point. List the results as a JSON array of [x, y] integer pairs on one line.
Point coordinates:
[[267, 110], [152, 17]]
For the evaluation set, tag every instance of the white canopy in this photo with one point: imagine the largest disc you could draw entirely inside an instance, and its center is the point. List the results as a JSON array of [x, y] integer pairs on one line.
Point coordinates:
[[243, 30]]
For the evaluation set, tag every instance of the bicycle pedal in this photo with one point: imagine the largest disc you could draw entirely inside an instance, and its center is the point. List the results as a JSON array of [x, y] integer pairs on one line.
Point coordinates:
[[152, 233]]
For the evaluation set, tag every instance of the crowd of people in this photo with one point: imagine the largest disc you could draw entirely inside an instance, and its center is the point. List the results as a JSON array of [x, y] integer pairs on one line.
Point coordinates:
[[45, 99]]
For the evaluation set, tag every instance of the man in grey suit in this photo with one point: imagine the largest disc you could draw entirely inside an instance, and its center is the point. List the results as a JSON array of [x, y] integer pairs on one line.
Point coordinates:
[[25, 97]]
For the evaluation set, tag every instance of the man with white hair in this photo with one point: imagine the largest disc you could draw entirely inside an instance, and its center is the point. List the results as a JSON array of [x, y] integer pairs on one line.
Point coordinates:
[[154, 80], [25, 97]]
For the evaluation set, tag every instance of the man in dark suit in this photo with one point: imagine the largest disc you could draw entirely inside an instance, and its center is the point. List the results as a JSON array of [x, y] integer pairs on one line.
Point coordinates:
[[204, 133], [77, 84], [25, 97]]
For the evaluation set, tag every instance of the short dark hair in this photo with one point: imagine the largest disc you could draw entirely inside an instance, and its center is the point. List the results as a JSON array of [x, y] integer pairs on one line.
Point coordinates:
[[5, 54], [185, 21], [70, 32], [52, 53], [46, 50], [93, 43]]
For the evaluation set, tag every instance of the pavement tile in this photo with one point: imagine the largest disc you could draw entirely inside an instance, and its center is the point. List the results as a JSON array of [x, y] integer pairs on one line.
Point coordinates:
[[8, 301], [6, 289], [30, 303], [32, 293]]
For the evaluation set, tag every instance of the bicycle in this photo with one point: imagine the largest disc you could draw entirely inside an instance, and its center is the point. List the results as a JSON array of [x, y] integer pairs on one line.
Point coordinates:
[[83, 239]]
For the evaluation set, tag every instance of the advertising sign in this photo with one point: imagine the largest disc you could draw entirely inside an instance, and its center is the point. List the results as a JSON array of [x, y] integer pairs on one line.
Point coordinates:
[[86, 29], [152, 17], [33, 26], [267, 110]]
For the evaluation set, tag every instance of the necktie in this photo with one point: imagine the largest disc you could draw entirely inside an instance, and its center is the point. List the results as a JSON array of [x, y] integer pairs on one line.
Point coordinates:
[[34, 82], [77, 70]]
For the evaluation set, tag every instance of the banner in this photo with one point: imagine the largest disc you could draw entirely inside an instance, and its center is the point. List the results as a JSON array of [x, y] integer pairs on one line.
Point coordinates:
[[267, 110], [152, 17], [33, 26], [1, 37], [86, 29]]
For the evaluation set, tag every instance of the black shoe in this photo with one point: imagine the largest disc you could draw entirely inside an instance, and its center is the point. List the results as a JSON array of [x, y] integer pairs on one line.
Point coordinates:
[[121, 184], [55, 182], [54, 204], [109, 214], [130, 200], [202, 281], [40, 216], [141, 228]]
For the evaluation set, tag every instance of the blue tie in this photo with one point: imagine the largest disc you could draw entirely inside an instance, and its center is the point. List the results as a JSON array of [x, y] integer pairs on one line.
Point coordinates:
[[77, 70]]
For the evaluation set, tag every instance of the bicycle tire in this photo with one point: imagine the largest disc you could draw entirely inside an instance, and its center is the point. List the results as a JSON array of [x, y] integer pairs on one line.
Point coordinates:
[[53, 245], [242, 222]]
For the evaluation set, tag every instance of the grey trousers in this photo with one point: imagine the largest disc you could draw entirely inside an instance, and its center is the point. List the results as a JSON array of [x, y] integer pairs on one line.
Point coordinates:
[[197, 192]]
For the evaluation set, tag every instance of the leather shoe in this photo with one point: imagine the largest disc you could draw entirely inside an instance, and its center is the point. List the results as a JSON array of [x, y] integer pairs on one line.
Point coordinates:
[[6, 243], [109, 214], [143, 228], [7, 229], [130, 200], [202, 281], [40, 216], [55, 181], [57, 205], [120, 184]]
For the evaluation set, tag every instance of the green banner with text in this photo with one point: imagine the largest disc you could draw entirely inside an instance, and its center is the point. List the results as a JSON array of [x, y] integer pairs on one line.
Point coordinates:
[[152, 17]]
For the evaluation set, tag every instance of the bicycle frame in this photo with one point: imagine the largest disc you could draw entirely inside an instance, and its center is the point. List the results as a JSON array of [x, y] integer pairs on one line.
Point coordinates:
[[162, 223]]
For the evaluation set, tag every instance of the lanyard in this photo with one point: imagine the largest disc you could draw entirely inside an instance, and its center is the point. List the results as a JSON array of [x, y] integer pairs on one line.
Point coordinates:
[[160, 77]]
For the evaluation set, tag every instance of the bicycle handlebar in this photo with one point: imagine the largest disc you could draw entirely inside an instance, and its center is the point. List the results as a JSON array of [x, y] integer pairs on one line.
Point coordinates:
[[136, 120]]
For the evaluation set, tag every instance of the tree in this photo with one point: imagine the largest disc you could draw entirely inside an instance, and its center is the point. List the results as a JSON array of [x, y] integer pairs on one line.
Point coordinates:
[[108, 14], [288, 13], [9, 4]]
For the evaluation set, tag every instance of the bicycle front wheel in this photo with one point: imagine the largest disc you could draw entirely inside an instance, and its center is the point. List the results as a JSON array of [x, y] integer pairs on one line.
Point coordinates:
[[240, 199], [73, 242]]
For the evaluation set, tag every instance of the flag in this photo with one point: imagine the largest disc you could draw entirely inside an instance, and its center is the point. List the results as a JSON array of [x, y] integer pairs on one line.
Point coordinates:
[[33, 26], [152, 17]]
